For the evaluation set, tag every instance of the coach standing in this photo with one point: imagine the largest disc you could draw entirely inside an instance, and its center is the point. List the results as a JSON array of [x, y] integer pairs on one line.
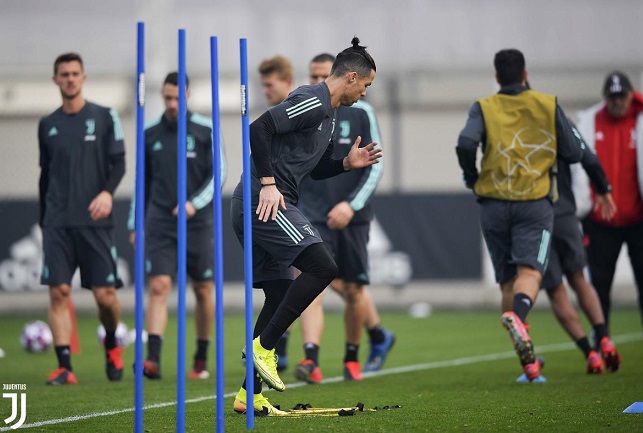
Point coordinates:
[[614, 130], [82, 160]]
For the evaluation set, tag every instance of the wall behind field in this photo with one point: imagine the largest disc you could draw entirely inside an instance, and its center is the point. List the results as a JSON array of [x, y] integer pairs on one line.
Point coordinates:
[[434, 58]]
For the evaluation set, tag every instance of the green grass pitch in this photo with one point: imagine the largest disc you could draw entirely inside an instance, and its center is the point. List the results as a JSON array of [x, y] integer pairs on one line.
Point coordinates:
[[450, 372]]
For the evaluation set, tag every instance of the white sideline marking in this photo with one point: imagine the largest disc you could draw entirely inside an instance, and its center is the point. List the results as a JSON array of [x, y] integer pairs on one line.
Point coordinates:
[[559, 347]]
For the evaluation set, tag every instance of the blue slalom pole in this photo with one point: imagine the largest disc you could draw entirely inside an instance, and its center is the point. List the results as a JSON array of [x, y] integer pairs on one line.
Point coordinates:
[[181, 237], [139, 260], [247, 232], [218, 230]]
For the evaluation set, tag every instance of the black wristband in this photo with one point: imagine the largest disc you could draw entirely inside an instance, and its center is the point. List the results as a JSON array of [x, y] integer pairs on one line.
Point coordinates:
[[268, 184]]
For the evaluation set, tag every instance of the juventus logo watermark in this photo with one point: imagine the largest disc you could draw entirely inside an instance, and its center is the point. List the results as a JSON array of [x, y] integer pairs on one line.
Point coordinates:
[[308, 229], [15, 404]]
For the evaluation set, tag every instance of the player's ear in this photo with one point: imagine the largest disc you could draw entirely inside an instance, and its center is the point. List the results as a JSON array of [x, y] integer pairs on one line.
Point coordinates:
[[352, 76]]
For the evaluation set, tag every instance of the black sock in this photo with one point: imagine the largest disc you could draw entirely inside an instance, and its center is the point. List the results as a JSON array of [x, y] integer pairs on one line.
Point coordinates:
[[312, 352], [154, 343], [274, 291], [202, 349], [318, 269], [64, 357], [257, 381], [521, 306], [583, 344], [351, 352], [376, 334], [600, 331], [282, 344], [110, 339]]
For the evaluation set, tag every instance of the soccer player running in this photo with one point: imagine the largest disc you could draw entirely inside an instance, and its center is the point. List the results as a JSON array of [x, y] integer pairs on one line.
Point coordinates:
[[82, 160], [161, 194], [567, 257], [341, 211], [288, 142], [522, 133]]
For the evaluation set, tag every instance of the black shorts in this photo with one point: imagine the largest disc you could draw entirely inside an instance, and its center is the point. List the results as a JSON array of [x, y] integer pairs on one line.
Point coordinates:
[[348, 248], [161, 249], [517, 233], [93, 249], [567, 253], [275, 244]]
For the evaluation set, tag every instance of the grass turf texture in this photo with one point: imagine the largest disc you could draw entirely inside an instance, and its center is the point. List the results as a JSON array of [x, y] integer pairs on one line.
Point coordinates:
[[450, 385]]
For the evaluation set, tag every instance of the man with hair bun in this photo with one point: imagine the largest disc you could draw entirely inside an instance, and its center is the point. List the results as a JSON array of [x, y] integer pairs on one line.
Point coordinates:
[[288, 142]]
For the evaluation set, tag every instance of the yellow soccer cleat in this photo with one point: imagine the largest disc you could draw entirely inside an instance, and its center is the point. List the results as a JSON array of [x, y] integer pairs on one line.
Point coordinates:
[[260, 403], [266, 366]]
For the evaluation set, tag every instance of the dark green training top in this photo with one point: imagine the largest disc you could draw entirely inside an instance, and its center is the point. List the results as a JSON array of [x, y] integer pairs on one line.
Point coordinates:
[[76, 151], [161, 168]]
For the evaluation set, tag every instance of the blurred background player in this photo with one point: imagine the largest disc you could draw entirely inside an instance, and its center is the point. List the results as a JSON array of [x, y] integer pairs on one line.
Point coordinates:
[[161, 225], [522, 133], [300, 129], [613, 129], [277, 80], [567, 257], [341, 211], [82, 158]]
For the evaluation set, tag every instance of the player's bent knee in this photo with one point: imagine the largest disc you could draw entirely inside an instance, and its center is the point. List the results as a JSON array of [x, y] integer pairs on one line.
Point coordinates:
[[317, 261]]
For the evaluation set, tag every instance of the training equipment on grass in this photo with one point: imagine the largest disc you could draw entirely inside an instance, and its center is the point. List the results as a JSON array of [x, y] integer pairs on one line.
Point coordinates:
[[218, 232], [140, 336], [74, 343], [523, 379], [308, 409], [181, 236], [247, 227], [36, 337], [636, 407], [122, 335], [139, 219]]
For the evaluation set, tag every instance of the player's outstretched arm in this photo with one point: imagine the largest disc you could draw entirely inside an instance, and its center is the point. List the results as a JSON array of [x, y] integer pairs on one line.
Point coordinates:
[[360, 157]]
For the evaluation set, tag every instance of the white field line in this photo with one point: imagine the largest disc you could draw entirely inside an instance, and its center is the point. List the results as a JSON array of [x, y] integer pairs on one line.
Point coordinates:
[[559, 347]]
